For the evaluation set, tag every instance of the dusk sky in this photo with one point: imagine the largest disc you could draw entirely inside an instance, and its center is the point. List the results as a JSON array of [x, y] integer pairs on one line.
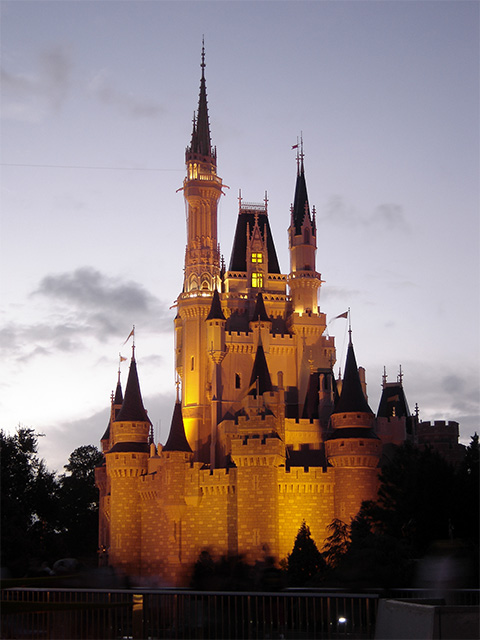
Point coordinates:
[[97, 106]]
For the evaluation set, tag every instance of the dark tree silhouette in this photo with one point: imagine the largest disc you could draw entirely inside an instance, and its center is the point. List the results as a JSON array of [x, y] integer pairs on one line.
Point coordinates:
[[29, 509], [336, 544], [79, 503], [305, 561]]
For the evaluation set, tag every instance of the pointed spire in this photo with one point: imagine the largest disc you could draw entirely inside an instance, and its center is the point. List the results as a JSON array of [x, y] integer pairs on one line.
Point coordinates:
[[132, 407], [260, 374], [352, 397], [216, 312], [300, 203], [177, 440], [201, 142], [260, 313]]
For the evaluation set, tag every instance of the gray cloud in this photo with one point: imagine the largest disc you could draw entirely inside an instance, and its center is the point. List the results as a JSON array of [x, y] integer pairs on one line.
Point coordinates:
[[31, 96], [104, 303], [104, 90], [84, 304], [388, 217]]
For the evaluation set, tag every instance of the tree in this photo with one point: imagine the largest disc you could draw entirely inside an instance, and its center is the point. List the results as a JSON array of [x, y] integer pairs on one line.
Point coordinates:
[[336, 544], [29, 514], [305, 561], [79, 502], [417, 498]]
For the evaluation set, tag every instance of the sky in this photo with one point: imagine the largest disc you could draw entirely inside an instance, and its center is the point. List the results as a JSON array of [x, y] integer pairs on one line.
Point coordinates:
[[97, 100]]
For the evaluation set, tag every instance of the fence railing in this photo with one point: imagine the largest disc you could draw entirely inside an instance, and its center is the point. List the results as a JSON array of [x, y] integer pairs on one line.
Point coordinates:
[[156, 614]]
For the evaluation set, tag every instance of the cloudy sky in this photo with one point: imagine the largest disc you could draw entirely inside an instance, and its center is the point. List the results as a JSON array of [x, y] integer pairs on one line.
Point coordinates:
[[97, 106]]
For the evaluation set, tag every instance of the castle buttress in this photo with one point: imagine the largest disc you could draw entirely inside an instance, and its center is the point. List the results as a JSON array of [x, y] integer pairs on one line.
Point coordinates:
[[263, 436]]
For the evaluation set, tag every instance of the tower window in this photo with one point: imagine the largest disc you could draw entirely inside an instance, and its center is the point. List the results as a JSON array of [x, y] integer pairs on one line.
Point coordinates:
[[257, 279], [237, 381], [257, 257], [306, 234], [192, 364]]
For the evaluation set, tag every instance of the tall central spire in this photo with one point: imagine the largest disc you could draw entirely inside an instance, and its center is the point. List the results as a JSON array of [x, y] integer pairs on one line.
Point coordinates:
[[201, 144]]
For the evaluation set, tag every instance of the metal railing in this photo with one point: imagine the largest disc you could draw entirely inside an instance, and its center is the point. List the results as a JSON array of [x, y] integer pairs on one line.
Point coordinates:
[[86, 613], [156, 614]]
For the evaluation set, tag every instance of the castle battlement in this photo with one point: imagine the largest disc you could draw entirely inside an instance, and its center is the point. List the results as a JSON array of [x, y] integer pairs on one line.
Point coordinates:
[[438, 425]]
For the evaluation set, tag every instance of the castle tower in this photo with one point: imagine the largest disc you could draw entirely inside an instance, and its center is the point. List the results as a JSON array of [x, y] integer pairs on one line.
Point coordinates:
[[216, 341], [353, 448], [102, 481], [202, 189], [126, 461], [394, 422], [306, 320], [258, 452], [304, 280]]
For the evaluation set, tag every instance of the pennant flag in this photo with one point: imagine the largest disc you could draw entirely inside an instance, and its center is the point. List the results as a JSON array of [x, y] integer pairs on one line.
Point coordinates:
[[295, 146], [132, 333], [342, 315], [122, 359]]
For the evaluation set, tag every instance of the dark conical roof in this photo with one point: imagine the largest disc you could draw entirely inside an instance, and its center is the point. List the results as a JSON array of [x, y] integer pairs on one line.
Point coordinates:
[[300, 202], [132, 408], [201, 143], [118, 399], [177, 440], [393, 402], [238, 259], [261, 373], [215, 312], [260, 313], [352, 397]]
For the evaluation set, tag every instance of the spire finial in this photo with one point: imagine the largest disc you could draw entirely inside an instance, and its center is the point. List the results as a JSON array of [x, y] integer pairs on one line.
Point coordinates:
[[384, 377], [177, 384], [203, 58], [400, 375], [349, 328], [302, 155]]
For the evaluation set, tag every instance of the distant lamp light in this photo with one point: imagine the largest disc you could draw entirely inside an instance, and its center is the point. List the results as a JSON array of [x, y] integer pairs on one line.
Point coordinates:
[[342, 620]]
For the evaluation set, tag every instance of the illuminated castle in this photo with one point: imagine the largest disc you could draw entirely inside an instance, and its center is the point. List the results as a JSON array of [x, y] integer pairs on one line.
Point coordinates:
[[264, 437]]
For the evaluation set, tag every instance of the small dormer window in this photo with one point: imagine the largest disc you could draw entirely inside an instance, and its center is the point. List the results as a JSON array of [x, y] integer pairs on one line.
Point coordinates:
[[257, 258], [257, 279]]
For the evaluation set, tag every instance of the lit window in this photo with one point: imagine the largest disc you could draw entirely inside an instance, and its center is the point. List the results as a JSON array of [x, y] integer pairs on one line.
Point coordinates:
[[257, 279], [257, 257]]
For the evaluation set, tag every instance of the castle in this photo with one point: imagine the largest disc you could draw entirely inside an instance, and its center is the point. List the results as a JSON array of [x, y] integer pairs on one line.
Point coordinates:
[[263, 437]]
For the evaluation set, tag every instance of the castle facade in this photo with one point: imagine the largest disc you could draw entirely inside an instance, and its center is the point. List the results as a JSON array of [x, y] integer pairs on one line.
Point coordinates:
[[263, 436]]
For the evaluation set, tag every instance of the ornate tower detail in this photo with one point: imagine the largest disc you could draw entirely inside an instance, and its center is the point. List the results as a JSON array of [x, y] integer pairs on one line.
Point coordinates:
[[202, 189], [353, 449], [216, 340], [257, 256], [304, 280]]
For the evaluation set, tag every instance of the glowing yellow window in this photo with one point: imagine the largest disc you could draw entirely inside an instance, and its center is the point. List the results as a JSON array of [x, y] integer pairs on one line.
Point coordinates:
[[257, 279], [257, 257]]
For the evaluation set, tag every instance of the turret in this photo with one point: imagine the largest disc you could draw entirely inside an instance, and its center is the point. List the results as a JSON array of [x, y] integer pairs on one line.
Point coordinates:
[[216, 330], [304, 280], [202, 189], [353, 448], [126, 461]]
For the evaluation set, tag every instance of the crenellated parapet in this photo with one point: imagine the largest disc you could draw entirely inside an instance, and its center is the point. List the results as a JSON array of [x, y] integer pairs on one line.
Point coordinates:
[[258, 451], [354, 452]]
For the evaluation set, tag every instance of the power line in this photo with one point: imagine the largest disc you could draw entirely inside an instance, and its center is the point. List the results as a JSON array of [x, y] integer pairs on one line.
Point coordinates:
[[66, 166]]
